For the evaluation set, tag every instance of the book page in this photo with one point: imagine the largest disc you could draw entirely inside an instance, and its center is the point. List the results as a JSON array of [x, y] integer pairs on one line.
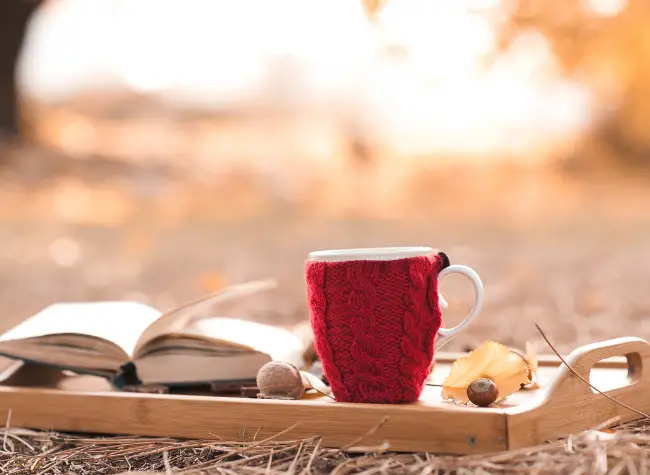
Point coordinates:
[[178, 319], [278, 343], [119, 322]]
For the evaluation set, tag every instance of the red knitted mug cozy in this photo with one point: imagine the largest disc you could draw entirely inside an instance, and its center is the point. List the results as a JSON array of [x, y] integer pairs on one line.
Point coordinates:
[[374, 325]]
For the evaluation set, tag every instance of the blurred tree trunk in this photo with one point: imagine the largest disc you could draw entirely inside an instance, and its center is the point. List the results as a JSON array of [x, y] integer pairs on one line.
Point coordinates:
[[14, 15]]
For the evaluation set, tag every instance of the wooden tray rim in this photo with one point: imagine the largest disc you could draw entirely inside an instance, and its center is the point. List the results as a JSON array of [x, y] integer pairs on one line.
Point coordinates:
[[563, 406]]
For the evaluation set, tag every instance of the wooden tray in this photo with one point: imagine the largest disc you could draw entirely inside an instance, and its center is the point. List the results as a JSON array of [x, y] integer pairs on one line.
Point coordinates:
[[563, 406]]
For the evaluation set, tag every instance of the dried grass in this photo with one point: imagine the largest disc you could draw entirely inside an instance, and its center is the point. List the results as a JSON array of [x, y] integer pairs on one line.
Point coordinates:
[[623, 450]]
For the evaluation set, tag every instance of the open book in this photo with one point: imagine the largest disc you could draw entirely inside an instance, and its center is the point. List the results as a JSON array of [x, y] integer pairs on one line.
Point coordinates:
[[132, 343]]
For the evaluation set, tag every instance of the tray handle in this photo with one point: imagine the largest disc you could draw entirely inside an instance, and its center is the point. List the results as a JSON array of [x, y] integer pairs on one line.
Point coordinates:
[[583, 359], [566, 405]]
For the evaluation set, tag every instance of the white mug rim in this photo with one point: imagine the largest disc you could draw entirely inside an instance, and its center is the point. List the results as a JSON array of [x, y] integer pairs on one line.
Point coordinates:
[[370, 254]]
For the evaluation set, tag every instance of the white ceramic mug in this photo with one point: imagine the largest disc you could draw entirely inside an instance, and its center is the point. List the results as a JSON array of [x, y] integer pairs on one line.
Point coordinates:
[[444, 335]]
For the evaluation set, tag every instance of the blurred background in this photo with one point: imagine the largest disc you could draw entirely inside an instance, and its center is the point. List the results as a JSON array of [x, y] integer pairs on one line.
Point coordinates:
[[156, 150]]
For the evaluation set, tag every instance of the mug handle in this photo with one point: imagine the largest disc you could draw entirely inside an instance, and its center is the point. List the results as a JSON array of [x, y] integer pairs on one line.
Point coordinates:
[[445, 335]]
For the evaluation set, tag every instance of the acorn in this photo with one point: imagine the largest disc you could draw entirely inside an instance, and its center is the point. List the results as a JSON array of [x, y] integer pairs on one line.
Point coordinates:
[[279, 380], [482, 392]]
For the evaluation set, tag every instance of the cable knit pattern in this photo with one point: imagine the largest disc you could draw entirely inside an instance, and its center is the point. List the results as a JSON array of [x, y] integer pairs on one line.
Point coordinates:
[[374, 325]]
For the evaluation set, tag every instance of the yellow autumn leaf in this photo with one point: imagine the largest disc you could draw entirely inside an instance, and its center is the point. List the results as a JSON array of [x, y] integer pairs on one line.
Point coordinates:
[[490, 360], [533, 364], [530, 358]]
